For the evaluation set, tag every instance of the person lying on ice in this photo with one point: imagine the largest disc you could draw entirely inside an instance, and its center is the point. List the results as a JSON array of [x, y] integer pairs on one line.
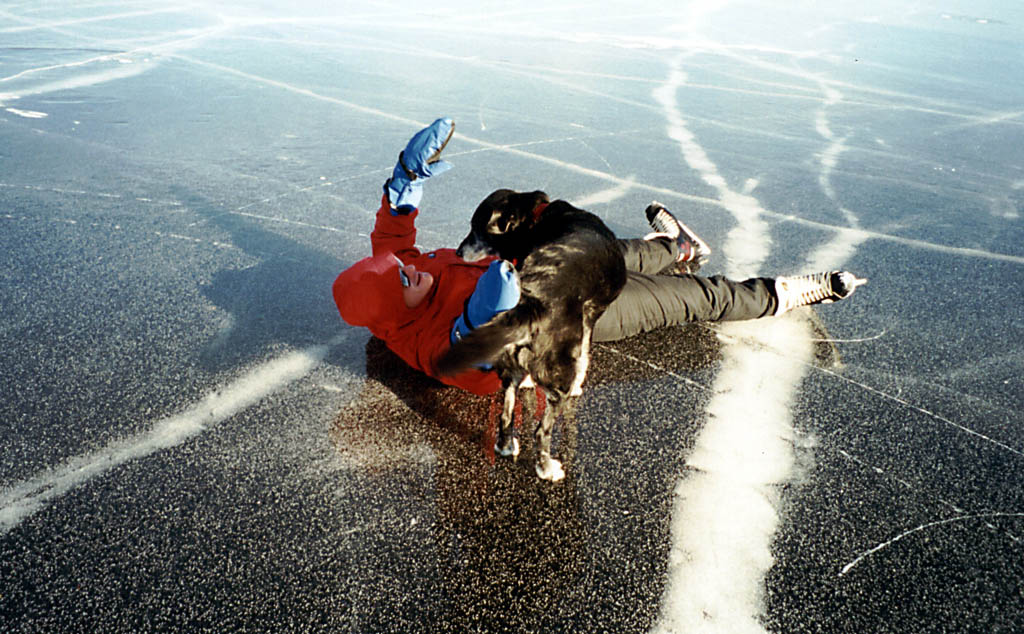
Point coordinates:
[[419, 303]]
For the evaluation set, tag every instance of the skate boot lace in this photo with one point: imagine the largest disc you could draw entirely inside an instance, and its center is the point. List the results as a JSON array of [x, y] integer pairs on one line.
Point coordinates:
[[820, 288], [664, 222]]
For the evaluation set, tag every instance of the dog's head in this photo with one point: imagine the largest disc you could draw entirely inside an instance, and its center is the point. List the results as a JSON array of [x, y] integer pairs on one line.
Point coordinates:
[[499, 225]]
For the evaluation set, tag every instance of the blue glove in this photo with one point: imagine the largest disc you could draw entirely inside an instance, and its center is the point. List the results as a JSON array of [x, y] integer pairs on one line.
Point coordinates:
[[420, 160], [497, 290]]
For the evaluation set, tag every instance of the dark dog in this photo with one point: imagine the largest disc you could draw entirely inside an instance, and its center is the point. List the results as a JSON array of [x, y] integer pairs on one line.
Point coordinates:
[[570, 269]]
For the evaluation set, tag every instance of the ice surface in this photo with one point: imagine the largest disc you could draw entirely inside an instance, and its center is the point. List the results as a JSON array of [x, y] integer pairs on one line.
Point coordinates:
[[180, 185]]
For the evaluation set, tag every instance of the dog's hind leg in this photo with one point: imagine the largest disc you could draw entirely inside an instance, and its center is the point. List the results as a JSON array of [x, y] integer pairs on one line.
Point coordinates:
[[511, 366], [592, 311], [547, 467], [582, 363], [506, 444]]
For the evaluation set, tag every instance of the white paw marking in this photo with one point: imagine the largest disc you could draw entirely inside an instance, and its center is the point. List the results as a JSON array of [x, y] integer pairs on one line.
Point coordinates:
[[554, 472]]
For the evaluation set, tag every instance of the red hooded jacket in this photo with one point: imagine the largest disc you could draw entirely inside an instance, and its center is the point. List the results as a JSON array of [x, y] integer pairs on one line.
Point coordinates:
[[369, 294]]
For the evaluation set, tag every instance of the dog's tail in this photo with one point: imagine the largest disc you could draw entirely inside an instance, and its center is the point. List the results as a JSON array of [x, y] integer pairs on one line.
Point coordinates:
[[484, 344]]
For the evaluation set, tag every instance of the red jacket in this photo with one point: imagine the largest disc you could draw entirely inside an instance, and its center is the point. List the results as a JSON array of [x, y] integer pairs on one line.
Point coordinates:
[[369, 294]]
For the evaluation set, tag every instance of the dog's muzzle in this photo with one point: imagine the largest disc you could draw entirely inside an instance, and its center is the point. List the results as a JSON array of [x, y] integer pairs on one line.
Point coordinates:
[[472, 249]]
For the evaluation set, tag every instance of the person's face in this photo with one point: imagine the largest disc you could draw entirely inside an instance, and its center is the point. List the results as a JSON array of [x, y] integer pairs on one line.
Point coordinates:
[[415, 285]]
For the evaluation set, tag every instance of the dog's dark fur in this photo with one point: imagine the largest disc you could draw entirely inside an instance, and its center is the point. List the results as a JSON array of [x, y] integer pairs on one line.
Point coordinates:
[[570, 269]]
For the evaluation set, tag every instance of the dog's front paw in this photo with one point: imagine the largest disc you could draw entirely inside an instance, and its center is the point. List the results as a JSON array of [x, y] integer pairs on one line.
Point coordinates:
[[509, 451], [550, 469]]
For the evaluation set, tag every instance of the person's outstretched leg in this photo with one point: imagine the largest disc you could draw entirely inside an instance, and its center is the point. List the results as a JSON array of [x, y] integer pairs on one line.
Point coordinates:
[[648, 302]]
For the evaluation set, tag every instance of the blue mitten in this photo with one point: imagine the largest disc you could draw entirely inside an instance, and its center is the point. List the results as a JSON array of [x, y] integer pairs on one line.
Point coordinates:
[[420, 160], [497, 290]]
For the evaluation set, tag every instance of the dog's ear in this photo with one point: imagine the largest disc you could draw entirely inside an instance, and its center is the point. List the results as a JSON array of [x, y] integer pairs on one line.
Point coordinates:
[[522, 204], [509, 209], [503, 221], [496, 198], [525, 202], [484, 211]]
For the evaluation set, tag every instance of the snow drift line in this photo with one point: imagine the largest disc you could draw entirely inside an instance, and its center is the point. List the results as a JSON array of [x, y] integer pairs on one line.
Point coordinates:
[[725, 513], [22, 500]]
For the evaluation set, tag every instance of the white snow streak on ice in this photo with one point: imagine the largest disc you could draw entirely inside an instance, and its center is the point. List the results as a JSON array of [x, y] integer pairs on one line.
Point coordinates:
[[725, 513], [844, 243], [723, 517], [726, 509], [122, 71], [605, 196], [747, 245], [28, 114], [25, 498]]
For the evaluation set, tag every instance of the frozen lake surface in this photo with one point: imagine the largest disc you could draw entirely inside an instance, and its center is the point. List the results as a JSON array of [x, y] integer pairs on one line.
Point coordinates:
[[193, 440]]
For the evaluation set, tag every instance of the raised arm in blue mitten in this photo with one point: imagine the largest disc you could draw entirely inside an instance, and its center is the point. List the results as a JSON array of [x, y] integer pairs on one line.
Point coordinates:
[[420, 160]]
